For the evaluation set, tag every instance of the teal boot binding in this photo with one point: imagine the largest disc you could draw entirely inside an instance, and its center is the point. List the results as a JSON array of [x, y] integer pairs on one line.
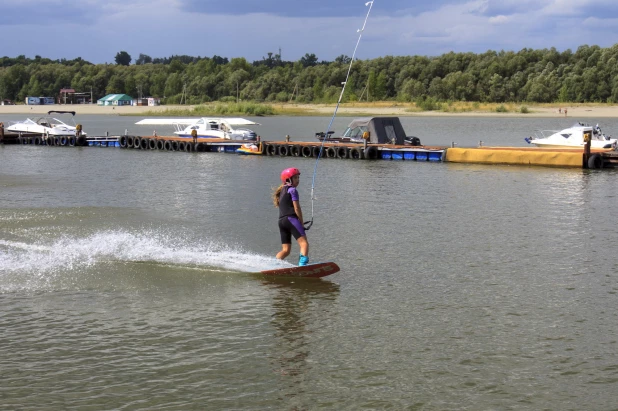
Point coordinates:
[[303, 260]]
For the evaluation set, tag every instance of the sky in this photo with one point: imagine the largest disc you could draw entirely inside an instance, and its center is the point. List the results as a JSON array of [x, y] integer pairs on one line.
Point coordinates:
[[96, 30]]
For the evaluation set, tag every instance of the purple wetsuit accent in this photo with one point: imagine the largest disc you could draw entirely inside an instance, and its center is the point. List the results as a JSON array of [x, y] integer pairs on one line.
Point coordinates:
[[298, 225], [293, 193], [290, 226]]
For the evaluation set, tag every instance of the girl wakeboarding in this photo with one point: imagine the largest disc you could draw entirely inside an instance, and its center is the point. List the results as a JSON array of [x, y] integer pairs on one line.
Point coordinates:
[[287, 199]]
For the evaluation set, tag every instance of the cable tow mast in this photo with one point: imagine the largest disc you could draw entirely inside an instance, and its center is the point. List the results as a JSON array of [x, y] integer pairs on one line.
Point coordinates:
[[315, 168]]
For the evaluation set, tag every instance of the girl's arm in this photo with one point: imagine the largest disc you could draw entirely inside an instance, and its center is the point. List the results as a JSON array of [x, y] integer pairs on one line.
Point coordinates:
[[298, 211]]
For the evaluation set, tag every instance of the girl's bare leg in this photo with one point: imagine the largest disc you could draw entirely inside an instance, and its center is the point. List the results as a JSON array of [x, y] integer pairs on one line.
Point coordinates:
[[285, 251], [304, 245]]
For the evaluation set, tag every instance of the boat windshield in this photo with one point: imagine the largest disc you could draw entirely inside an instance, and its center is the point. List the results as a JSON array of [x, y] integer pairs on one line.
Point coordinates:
[[51, 122], [356, 132]]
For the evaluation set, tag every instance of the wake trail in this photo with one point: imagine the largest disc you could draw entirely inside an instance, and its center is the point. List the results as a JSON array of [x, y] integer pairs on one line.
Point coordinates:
[[69, 253]]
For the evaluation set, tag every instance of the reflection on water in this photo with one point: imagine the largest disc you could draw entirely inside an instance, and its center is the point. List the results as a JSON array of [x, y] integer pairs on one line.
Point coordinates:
[[299, 307]]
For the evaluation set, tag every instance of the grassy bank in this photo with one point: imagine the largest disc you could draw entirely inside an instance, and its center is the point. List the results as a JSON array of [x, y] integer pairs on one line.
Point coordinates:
[[215, 109], [360, 109], [468, 107], [381, 107]]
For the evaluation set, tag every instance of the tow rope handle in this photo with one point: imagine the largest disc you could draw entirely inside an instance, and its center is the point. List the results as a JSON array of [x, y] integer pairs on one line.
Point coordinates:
[[307, 224]]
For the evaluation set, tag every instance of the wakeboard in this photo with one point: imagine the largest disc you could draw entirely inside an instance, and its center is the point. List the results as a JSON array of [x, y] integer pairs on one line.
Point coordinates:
[[307, 271]]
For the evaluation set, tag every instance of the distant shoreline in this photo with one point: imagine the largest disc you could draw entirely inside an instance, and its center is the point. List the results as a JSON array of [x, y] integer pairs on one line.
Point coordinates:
[[347, 109]]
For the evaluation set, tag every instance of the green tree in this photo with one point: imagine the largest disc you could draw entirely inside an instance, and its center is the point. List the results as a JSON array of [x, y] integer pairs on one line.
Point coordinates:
[[115, 85], [343, 59], [15, 79], [381, 86], [563, 96], [412, 90], [309, 60], [614, 93], [173, 85], [34, 87], [176, 66], [318, 89], [123, 58], [372, 86], [142, 59], [436, 90], [157, 88], [235, 82], [496, 89]]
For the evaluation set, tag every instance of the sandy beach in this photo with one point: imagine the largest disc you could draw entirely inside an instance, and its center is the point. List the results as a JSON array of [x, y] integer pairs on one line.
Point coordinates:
[[575, 111], [405, 110]]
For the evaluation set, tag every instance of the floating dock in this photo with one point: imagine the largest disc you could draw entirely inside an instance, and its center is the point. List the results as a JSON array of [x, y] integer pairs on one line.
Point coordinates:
[[268, 148], [528, 156], [533, 156]]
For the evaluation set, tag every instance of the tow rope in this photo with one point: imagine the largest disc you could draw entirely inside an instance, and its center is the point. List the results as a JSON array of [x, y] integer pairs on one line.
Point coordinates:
[[308, 224]]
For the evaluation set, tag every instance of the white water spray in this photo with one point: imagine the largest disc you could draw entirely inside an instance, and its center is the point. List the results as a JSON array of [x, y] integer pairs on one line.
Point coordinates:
[[73, 253]]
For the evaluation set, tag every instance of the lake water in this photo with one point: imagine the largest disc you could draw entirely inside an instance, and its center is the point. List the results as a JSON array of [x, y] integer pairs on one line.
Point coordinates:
[[124, 284]]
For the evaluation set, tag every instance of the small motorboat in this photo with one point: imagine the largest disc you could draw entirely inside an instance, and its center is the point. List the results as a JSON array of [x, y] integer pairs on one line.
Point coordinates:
[[223, 128], [573, 137], [376, 130], [46, 125], [250, 149]]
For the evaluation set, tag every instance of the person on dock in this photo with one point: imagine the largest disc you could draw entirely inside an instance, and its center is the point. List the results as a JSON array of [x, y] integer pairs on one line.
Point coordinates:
[[286, 198]]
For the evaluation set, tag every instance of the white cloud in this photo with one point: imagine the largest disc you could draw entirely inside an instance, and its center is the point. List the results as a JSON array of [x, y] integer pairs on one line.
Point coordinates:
[[96, 30], [498, 19]]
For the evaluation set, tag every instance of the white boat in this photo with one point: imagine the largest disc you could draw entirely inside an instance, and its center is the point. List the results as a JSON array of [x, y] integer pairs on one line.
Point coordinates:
[[223, 128], [572, 137], [46, 125]]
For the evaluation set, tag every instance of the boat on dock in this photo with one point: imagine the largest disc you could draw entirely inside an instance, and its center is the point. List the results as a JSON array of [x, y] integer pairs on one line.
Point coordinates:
[[573, 137], [573, 156], [376, 130], [46, 125], [224, 128]]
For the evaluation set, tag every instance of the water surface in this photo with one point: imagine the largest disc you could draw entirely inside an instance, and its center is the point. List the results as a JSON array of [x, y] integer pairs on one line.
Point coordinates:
[[124, 284]]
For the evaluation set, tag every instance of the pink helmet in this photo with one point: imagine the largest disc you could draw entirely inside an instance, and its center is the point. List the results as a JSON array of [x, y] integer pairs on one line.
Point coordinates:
[[289, 173]]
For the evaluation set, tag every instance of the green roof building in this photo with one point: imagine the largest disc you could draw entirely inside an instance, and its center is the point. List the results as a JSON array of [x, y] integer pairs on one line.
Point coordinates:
[[115, 100]]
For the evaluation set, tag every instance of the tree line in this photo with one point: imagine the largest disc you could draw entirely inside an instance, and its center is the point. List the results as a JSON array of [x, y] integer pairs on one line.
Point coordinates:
[[589, 74]]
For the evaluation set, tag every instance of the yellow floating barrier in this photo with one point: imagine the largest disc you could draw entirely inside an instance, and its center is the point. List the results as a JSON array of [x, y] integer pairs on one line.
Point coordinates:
[[514, 155]]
